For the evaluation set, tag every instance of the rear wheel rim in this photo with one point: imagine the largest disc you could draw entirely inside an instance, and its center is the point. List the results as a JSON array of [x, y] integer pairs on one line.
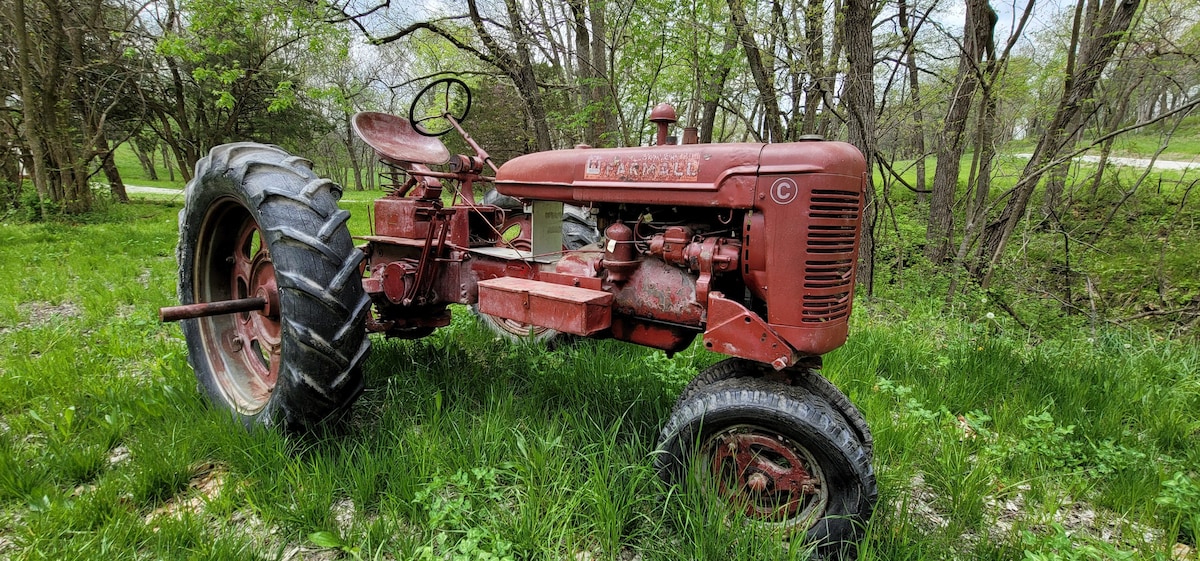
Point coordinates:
[[769, 477], [242, 350]]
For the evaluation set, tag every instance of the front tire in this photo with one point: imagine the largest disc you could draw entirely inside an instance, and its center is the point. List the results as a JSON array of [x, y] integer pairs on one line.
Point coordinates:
[[779, 454], [258, 222]]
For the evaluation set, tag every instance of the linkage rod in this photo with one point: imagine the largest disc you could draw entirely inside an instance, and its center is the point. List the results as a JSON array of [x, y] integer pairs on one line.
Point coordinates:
[[207, 309]]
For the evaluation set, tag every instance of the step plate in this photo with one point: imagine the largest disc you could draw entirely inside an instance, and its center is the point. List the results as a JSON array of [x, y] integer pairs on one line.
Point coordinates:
[[570, 309]]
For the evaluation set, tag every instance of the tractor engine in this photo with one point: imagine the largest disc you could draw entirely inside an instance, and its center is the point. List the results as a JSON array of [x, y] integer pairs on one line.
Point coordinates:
[[753, 245]]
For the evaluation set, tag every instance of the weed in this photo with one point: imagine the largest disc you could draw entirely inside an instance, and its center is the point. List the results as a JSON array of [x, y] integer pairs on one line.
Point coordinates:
[[1047, 446], [449, 503], [1061, 546]]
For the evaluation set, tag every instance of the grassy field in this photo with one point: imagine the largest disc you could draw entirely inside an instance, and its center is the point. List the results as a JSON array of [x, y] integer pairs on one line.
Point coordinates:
[[991, 442], [132, 172]]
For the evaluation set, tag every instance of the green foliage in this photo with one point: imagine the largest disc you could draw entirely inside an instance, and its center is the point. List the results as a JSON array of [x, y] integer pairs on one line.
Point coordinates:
[[251, 62], [1048, 446], [33, 209], [1061, 546], [10, 195], [1072, 273], [450, 504], [1181, 496], [329, 540]]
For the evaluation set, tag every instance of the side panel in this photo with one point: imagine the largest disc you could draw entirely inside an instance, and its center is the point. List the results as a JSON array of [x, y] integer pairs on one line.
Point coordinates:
[[546, 224], [803, 249]]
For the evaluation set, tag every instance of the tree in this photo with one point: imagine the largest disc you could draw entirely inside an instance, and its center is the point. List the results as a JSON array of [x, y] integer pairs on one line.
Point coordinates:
[[69, 70], [914, 84], [515, 60], [1101, 28], [233, 70], [764, 77], [10, 153], [977, 43], [860, 109], [591, 54]]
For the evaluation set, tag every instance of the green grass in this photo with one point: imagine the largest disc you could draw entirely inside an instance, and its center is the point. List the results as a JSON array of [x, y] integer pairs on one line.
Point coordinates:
[[991, 443], [1070, 441], [1184, 144]]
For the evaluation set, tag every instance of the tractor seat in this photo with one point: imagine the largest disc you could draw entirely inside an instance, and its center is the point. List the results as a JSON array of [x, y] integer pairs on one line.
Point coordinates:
[[394, 138]]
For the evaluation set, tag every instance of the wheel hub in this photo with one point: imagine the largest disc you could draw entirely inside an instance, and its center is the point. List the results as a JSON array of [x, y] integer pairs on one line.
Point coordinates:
[[772, 477]]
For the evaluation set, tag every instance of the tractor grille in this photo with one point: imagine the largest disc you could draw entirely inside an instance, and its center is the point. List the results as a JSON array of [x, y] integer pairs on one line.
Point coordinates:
[[831, 241]]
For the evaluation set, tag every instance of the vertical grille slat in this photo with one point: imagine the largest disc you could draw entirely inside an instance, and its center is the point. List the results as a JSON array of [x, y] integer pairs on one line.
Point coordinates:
[[830, 241]]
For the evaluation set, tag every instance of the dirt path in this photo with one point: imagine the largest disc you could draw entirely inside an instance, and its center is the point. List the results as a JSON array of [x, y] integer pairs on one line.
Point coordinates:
[[132, 189], [1134, 162]]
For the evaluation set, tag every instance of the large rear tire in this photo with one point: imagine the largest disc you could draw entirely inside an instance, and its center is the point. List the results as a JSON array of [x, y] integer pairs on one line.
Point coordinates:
[[258, 222]]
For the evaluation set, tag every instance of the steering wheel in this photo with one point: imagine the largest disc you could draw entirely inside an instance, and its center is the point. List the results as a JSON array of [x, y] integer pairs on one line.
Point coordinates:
[[435, 102]]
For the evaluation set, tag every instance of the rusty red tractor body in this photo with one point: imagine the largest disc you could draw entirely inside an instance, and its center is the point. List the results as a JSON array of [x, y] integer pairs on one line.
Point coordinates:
[[750, 247]]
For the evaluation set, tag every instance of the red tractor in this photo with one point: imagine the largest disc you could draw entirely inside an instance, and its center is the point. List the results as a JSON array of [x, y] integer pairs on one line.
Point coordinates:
[[750, 246]]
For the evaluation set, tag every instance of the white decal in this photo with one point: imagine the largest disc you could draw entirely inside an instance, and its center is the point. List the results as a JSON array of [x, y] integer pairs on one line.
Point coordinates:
[[784, 191]]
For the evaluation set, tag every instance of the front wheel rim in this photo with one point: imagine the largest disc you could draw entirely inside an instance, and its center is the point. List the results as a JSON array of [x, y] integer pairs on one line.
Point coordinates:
[[770, 477]]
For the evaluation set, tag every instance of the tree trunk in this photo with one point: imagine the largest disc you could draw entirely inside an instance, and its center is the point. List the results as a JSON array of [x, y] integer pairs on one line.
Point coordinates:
[[712, 89], [763, 79], [109, 166], [30, 113], [976, 212], [1055, 185], [602, 97], [146, 161], [585, 76], [860, 109], [977, 32], [525, 78], [829, 119], [352, 154], [167, 164], [1115, 118], [814, 34], [914, 87]]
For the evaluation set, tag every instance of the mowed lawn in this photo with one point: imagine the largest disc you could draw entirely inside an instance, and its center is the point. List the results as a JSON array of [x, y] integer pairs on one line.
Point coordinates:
[[991, 443]]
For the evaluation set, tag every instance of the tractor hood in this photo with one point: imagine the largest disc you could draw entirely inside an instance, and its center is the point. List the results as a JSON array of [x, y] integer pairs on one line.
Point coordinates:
[[716, 175]]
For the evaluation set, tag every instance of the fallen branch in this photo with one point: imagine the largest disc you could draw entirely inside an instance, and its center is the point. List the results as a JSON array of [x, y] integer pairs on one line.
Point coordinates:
[[1156, 313], [1007, 309]]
